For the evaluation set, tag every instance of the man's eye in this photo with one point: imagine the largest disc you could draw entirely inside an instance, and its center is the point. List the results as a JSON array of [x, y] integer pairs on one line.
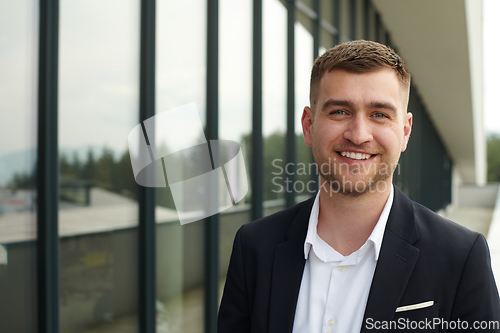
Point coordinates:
[[338, 112], [380, 115]]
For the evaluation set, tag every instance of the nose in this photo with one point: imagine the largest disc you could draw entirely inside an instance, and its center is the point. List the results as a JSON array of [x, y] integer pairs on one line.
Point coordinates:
[[358, 130]]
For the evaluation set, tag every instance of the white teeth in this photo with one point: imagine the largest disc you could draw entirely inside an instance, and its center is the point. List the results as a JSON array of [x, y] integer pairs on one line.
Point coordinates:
[[355, 156]]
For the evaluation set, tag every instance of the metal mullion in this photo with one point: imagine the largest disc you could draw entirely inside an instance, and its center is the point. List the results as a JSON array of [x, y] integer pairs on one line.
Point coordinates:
[[257, 140], [353, 18], [290, 123], [316, 28], [378, 27], [147, 195], [48, 169], [212, 133], [388, 40]]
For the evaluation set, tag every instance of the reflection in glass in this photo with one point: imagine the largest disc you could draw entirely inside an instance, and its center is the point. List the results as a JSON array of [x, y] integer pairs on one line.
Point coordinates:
[[235, 106], [328, 24], [360, 19], [345, 20], [180, 80], [326, 11], [308, 3], [98, 216], [18, 135], [304, 46], [326, 41], [274, 74], [372, 23]]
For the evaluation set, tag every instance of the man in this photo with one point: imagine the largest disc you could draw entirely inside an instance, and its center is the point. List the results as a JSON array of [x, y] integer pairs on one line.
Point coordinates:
[[360, 256]]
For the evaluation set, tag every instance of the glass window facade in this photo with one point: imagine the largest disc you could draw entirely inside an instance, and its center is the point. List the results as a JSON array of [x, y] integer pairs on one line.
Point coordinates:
[[18, 151], [274, 95], [360, 21], [101, 212], [180, 63], [345, 22], [98, 210], [235, 108], [304, 185]]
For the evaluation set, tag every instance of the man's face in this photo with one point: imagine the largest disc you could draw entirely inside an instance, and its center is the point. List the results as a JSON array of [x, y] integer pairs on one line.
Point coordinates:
[[358, 129]]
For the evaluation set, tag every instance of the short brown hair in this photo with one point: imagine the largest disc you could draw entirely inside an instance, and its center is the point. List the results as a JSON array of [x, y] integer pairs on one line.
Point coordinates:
[[358, 56]]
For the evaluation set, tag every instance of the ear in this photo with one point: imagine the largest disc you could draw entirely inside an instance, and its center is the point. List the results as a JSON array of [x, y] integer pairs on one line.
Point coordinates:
[[408, 122], [307, 122]]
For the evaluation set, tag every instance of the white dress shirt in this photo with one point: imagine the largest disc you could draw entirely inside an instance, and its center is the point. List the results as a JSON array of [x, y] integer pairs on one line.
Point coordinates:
[[334, 288]]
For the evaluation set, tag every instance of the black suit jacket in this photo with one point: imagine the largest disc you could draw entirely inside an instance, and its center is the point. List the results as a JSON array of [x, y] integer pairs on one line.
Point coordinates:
[[423, 257]]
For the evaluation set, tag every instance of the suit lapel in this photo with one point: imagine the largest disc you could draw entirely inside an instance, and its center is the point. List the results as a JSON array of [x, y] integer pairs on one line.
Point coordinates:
[[396, 261], [288, 267]]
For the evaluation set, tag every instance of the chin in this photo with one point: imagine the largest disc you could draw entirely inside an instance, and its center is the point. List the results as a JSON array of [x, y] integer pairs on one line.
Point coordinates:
[[353, 186]]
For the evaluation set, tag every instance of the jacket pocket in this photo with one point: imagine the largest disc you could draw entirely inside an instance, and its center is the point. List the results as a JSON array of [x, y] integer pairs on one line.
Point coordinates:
[[418, 320]]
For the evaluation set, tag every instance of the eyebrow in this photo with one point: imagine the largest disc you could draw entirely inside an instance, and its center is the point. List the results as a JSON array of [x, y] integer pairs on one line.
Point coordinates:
[[383, 105], [333, 102], [372, 105]]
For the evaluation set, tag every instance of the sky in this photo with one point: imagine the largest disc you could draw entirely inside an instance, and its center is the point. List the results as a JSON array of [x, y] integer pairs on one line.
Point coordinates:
[[491, 30]]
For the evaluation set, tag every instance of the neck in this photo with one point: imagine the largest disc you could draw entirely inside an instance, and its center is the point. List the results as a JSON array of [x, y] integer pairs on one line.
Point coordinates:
[[345, 222]]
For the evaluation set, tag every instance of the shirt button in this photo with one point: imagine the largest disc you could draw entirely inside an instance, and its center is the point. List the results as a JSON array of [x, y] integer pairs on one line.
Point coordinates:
[[341, 268], [331, 322]]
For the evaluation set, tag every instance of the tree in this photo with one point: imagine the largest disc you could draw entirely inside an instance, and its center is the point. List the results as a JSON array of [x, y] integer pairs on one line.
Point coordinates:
[[104, 169], [123, 177], [25, 180], [89, 168]]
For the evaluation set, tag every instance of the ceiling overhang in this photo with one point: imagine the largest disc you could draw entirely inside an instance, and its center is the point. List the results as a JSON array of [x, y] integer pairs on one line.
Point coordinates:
[[441, 43]]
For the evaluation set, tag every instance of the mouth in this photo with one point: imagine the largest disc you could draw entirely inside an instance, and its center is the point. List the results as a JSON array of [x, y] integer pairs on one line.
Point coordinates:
[[355, 156]]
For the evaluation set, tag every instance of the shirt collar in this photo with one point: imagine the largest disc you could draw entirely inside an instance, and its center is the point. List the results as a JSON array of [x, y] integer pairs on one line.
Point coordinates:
[[375, 237]]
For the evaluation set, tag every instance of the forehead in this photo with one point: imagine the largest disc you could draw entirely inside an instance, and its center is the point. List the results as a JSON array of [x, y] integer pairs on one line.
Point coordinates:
[[379, 85]]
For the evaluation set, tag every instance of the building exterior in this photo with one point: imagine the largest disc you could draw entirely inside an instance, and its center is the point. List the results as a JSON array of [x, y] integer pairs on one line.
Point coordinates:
[[83, 247]]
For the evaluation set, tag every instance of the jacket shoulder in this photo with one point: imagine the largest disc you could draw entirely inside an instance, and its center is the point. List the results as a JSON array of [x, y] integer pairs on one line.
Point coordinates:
[[276, 227], [435, 229]]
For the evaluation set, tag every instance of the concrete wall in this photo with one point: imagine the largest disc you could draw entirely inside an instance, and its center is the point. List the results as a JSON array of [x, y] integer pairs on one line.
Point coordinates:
[[476, 196], [18, 294]]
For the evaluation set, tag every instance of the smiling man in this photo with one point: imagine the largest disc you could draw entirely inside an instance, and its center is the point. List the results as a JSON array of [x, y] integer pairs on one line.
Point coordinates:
[[361, 124], [360, 255]]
